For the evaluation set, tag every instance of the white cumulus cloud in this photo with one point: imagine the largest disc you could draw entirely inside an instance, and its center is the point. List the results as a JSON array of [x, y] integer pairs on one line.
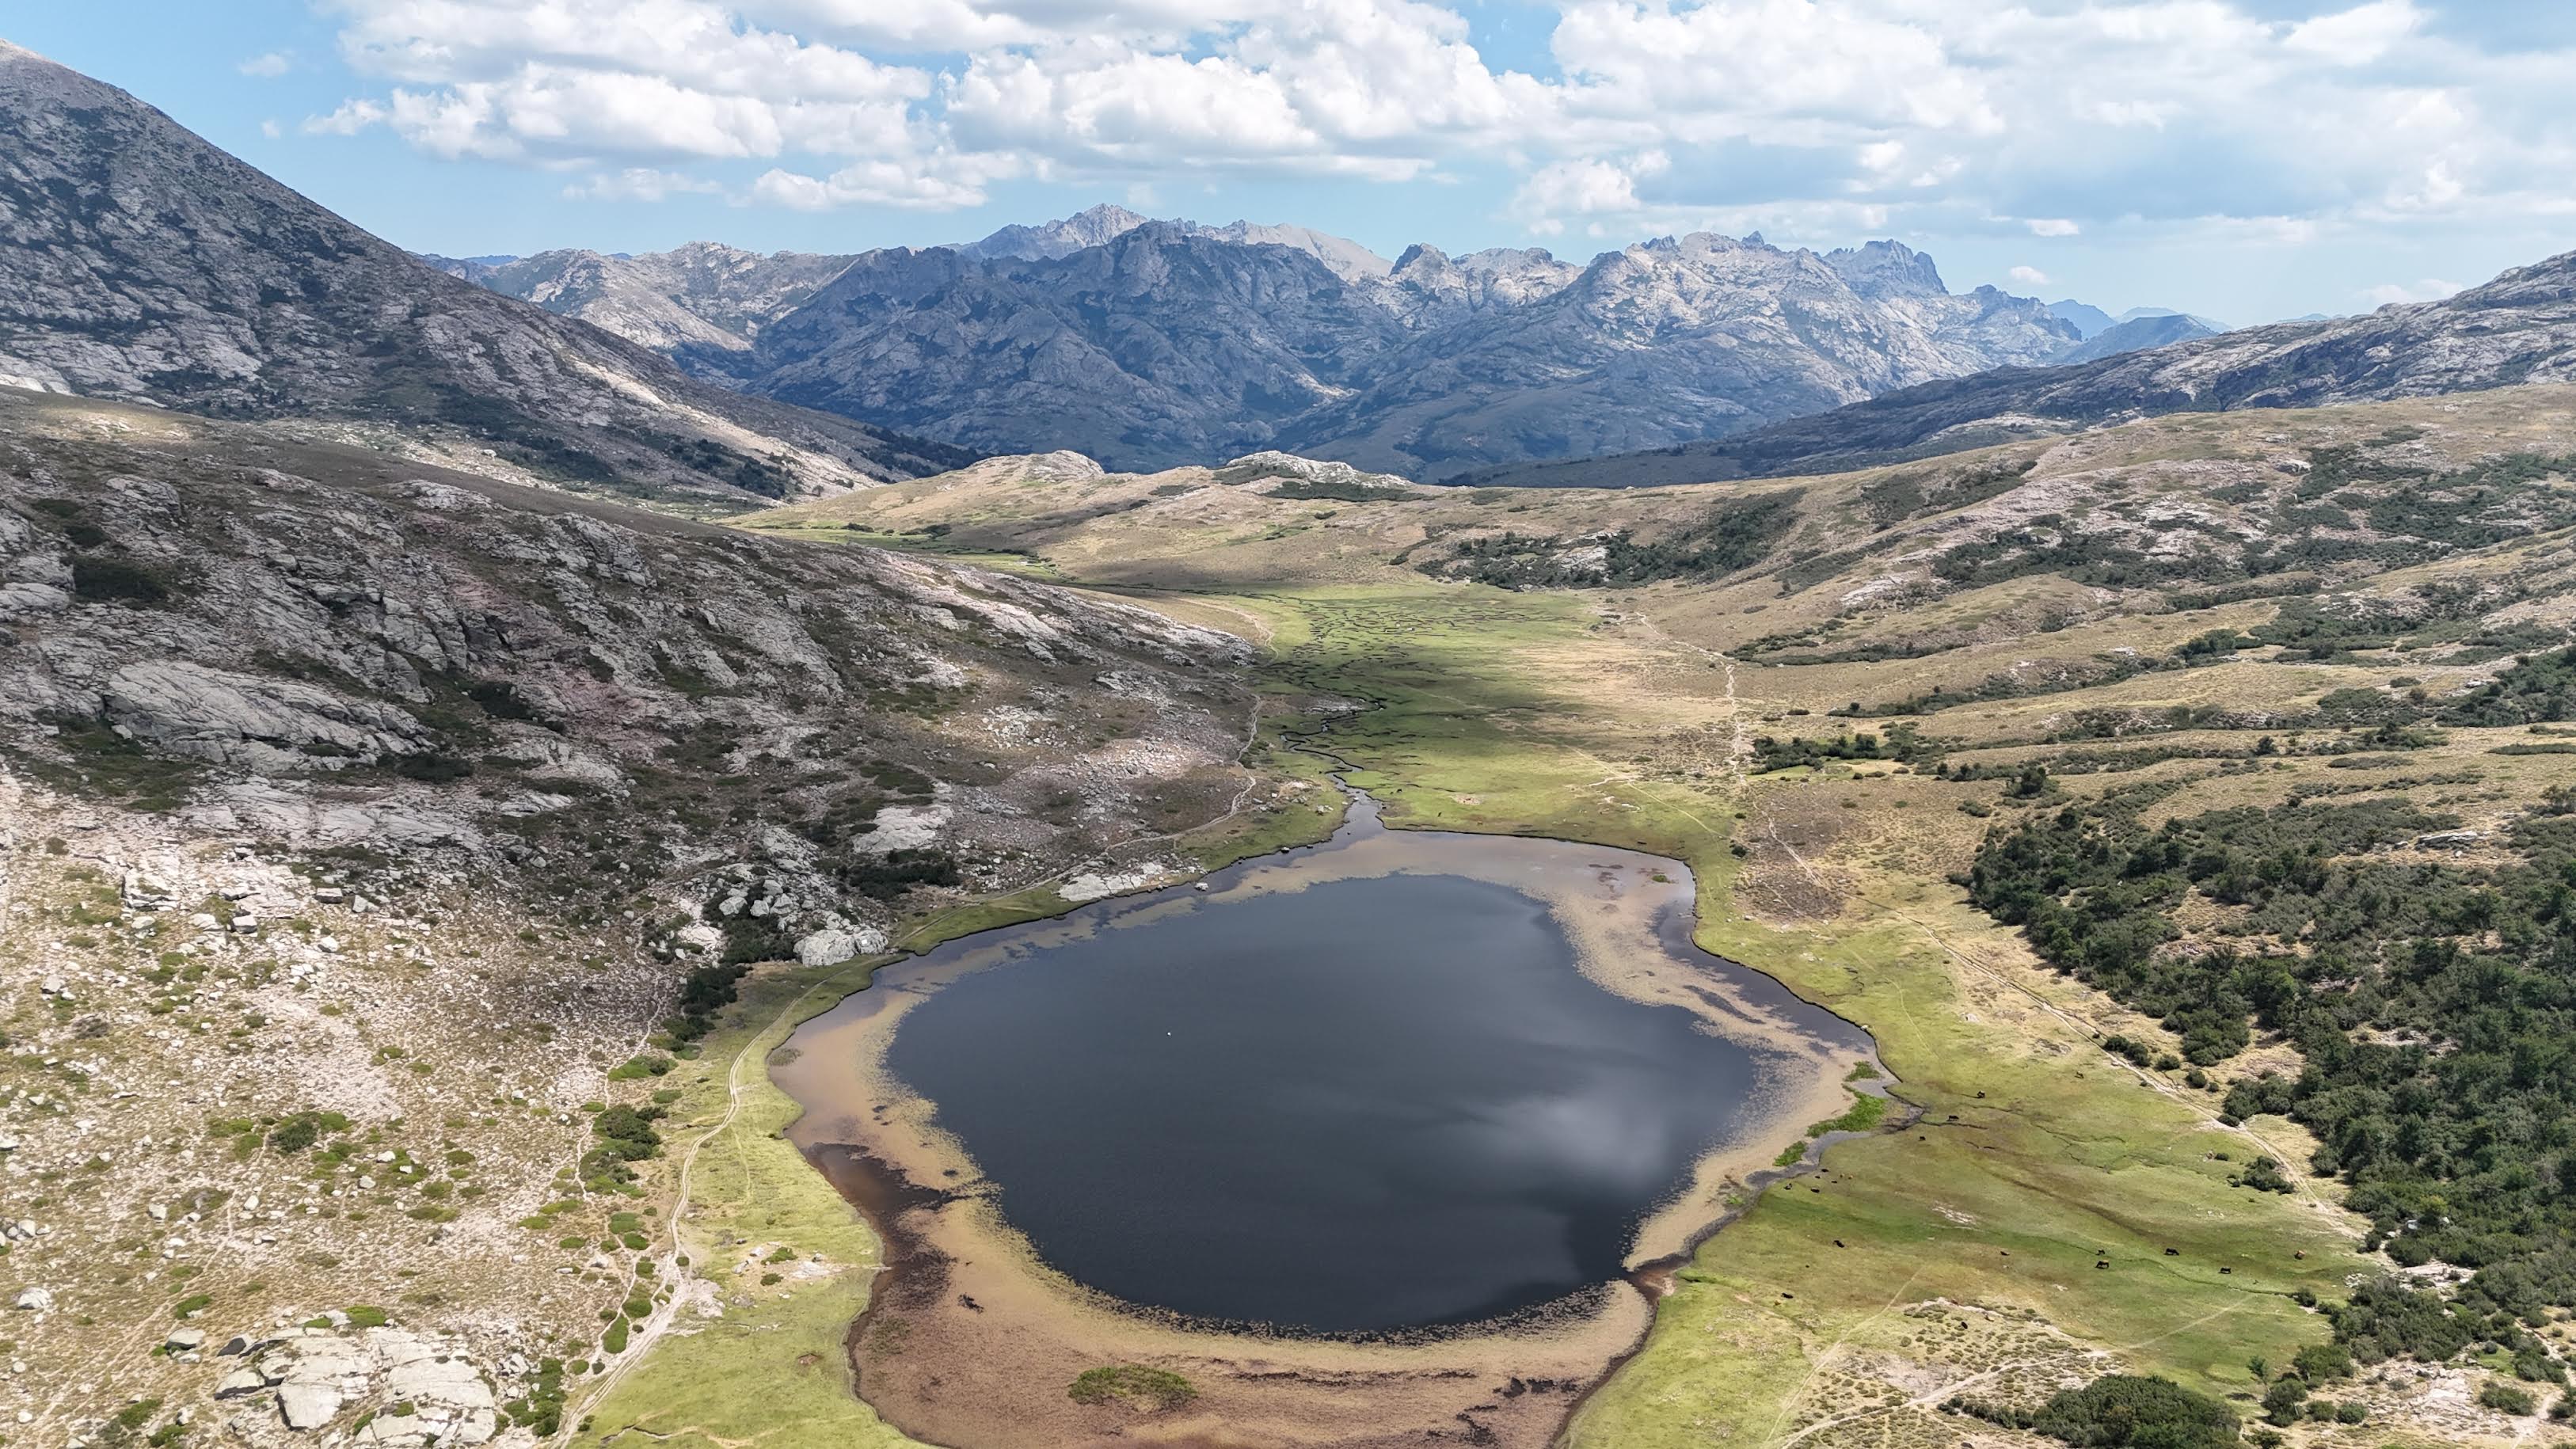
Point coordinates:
[[943, 183], [2080, 117], [2357, 36], [349, 119], [1584, 188], [638, 183]]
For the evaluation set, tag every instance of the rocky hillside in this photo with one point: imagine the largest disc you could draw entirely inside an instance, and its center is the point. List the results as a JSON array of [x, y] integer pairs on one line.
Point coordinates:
[[321, 646], [1431, 289], [367, 829], [2427, 538], [703, 295], [137, 261], [2519, 328]]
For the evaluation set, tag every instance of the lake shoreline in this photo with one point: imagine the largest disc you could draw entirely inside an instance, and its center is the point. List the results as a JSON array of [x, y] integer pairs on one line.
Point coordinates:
[[1517, 1379]]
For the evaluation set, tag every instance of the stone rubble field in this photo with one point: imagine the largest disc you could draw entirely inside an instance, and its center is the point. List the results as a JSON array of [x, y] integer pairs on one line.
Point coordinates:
[[171, 1014]]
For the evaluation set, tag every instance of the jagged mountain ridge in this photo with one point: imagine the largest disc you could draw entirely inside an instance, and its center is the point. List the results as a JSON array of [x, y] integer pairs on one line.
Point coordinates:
[[2518, 328], [1162, 344], [1168, 345], [137, 261], [1060, 238], [1100, 225], [1676, 338], [1423, 365]]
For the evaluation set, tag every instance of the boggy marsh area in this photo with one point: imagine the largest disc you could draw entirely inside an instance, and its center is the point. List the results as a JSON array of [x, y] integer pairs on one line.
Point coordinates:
[[1356, 1139]]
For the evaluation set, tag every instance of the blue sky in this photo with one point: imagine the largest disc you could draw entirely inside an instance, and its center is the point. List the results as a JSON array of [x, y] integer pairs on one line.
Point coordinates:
[[2247, 159]]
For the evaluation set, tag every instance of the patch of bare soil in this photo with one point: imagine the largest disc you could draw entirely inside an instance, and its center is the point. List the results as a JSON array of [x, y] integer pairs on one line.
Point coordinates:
[[1791, 831]]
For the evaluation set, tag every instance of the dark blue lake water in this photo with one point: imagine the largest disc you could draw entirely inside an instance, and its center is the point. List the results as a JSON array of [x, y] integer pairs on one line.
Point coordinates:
[[1369, 1104]]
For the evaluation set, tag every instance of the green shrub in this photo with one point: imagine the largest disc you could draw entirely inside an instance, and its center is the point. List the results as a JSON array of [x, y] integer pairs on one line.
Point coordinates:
[[2265, 1175], [625, 1135], [114, 580], [2320, 1362], [1864, 1114], [1149, 1388], [2504, 1398], [2285, 1399], [430, 767], [2150, 1413], [135, 1415], [296, 1133]]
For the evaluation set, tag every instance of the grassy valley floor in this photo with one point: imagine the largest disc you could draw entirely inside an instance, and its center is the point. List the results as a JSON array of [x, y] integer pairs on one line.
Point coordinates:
[[2054, 1212]]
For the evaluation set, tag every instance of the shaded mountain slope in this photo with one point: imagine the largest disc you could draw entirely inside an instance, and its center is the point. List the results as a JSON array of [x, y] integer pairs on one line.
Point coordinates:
[[139, 262], [1162, 345]]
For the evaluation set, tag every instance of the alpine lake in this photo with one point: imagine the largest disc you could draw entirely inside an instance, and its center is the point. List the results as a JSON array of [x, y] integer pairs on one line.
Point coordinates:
[[1331, 1134]]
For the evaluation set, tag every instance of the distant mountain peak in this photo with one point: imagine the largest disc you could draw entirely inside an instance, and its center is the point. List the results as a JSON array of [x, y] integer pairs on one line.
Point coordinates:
[[1102, 224], [2088, 320], [1091, 227], [2138, 330], [1508, 259], [1422, 256], [2149, 314], [1887, 268], [2517, 329], [1175, 342], [1107, 216], [1171, 341]]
